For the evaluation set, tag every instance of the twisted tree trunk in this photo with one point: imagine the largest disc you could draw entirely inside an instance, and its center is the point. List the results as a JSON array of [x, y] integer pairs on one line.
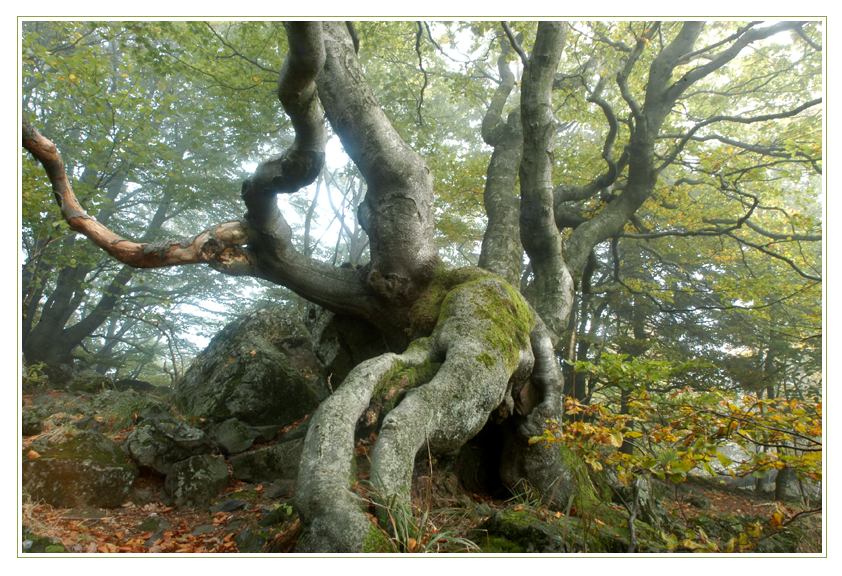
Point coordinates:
[[466, 344]]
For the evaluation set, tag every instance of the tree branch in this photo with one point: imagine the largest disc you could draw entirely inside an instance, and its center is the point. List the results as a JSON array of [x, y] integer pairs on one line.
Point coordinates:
[[736, 119], [718, 61], [221, 246], [553, 286], [515, 44]]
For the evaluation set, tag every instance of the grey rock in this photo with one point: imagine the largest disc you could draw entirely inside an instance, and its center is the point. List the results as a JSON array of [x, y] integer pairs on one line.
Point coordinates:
[[526, 530], [89, 381], [203, 529], [250, 540], [197, 479], [159, 444], [271, 463], [342, 342], [122, 408], [229, 505], [272, 516], [234, 436], [136, 385]]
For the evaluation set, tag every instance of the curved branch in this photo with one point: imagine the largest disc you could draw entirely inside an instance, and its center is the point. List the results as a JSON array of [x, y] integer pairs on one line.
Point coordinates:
[[399, 198], [718, 61], [784, 237], [301, 163], [418, 35], [492, 122], [565, 193], [623, 75], [237, 53], [262, 245], [775, 255], [221, 246]]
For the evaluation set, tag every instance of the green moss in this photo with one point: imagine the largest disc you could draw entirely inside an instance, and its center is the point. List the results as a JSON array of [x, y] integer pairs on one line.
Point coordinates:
[[376, 542], [500, 545], [250, 496], [486, 359], [531, 529], [520, 518], [87, 445], [508, 320], [425, 312], [585, 496]]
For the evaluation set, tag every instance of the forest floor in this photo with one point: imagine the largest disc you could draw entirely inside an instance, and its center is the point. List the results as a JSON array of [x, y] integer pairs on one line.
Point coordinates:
[[695, 516]]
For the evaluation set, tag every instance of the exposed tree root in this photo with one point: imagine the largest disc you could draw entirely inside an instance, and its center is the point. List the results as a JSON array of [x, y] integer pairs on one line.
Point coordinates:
[[330, 511], [484, 339]]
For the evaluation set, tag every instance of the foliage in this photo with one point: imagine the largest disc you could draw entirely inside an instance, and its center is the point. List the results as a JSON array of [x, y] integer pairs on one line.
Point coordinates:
[[674, 434]]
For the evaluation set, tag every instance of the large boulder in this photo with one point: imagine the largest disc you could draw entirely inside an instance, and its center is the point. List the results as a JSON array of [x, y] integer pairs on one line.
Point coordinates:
[[160, 444], [83, 469], [259, 369], [197, 479]]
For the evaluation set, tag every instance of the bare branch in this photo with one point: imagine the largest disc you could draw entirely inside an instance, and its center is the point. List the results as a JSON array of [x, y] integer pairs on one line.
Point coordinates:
[[237, 53], [623, 75], [736, 119], [492, 122], [515, 44], [717, 62], [220, 246]]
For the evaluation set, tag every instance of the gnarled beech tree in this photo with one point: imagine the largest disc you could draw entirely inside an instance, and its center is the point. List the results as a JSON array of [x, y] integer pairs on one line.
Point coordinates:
[[467, 348]]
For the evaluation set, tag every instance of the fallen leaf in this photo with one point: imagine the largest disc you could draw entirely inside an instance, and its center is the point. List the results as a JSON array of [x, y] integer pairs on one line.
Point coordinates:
[[32, 455]]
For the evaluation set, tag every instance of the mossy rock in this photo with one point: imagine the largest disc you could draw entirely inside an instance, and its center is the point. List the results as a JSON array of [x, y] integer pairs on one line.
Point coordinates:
[[122, 408], [251, 540], [525, 530], [196, 480], [377, 542], [499, 545], [522, 531], [31, 424], [258, 369], [278, 515], [86, 469]]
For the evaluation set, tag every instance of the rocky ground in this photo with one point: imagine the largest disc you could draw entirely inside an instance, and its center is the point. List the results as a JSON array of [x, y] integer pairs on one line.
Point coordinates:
[[117, 494], [210, 467]]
